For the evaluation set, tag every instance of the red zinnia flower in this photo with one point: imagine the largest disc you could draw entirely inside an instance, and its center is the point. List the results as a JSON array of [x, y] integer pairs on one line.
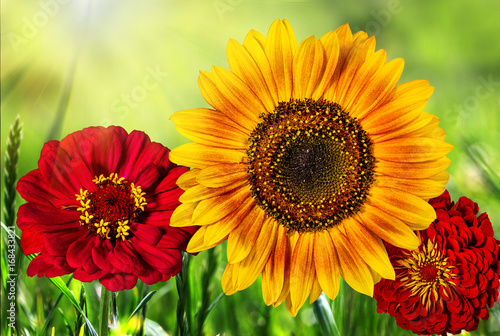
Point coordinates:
[[99, 206], [447, 283]]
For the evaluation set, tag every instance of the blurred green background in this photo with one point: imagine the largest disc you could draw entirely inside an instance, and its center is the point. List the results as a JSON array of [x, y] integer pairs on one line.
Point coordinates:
[[66, 65]]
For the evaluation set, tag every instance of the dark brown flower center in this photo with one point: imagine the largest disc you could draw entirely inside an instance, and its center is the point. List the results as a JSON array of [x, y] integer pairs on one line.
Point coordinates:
[[429, 272], [112, 208], [310, 164]]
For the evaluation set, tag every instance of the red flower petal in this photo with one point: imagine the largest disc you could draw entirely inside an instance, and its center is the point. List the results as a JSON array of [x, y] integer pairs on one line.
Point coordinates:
[[459, 253], [99, 205]]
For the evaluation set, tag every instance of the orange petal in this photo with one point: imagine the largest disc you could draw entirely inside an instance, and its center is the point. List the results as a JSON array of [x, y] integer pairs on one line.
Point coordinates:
[[276, 274], [215, 96], [200, 192], [355, 58], [307, 67], [222, 174], [245, 67], [362, 78], [369, 247], [197, 244], [330, 44], [247, 271], [413, 170], [280, 49], [382, 86], [302, 273], [214, 209], [411, 149], [242, 239], [195, 118], [406, 106], [254, 45], [416, 128], [387, 227], [424, 188], [327, 264], [352, 267], [315, 291], [403, 205], [238, 93]]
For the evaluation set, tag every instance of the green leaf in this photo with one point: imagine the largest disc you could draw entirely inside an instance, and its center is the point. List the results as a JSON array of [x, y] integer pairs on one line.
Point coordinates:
[[324, 315], [57, 281], [142, 303]]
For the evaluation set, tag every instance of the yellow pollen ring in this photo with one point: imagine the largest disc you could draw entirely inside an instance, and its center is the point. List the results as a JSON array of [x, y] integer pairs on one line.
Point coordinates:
[[94, 212]]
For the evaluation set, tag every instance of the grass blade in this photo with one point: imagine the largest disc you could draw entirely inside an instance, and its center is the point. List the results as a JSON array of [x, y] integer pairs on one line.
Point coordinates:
[[324, 316], [142, 303]]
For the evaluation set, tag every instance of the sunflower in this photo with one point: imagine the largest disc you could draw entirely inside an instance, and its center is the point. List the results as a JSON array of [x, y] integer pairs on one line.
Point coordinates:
[[447, 284], [311, 156], [99, 206]]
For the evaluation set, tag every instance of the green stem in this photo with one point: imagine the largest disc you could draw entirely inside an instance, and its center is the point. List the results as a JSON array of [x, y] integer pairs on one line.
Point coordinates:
[[104, 311]]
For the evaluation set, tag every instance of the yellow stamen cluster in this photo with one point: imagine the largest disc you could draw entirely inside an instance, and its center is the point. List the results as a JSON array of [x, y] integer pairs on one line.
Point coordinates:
[[310, 164], [109, 211], [429, 274]]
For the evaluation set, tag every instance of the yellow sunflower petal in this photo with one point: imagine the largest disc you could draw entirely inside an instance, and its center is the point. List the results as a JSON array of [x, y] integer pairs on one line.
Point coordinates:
[[254, 45], [200, 192], [387, 227], [315, 291], [302, 273], [188, 179], [183, 215], [210, 127], [411, 149], [412, 169], [419, 127], [327, 264], [356, 57], [410, 208], [248, 270], [245, 67], [442, 178], [425, 188], [280, 49], [307, 67], [238, 93], [363, 76], [215, 97], [330, 44], [276, 274], [382, 86], [406, 107], [197, 244], [214, 209], [221, 175], [370, 248], [242, 239], [200, 156], [352, 267]]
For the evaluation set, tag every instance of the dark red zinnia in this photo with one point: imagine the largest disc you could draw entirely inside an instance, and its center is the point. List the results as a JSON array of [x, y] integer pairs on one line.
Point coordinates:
[[99, 206], [447, 284]]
